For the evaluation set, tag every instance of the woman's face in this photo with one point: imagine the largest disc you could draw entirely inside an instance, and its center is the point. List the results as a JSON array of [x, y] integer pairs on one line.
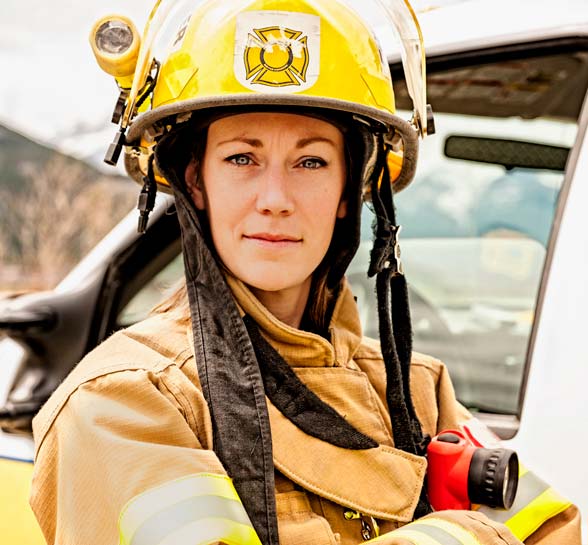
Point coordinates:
[[272, 185]]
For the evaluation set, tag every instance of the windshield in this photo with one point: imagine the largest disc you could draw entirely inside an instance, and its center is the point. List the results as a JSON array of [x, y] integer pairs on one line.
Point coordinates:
[[475, 232]]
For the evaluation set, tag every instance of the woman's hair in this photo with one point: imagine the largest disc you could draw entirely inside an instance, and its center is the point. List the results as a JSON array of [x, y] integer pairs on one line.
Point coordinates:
[[176, 303], [317, 313]]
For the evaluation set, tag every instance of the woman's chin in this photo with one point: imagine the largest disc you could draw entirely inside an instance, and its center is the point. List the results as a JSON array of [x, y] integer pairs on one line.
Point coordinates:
[[272, 285], [273, 279]]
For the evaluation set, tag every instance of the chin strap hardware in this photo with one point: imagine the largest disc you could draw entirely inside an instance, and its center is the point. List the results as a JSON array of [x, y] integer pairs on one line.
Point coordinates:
[[385, 252], [146, 198], [115, 148]]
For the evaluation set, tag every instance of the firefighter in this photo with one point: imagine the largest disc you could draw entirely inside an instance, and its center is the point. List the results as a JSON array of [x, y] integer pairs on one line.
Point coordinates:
[[249, 408]]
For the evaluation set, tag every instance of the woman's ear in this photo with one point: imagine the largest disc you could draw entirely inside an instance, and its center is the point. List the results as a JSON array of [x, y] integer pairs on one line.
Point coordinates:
[[342, 209], [193, 185]]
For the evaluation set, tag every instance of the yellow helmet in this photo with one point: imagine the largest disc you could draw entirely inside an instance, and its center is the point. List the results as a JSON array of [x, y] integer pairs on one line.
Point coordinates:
[[283, 53]]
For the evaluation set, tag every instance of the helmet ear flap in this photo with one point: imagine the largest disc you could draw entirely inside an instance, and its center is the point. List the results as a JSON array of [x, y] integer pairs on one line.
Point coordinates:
[[400, 149], [402, 155], [394, 160]]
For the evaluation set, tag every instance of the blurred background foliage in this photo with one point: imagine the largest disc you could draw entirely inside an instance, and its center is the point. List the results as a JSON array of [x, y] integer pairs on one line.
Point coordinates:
[[53, 210]]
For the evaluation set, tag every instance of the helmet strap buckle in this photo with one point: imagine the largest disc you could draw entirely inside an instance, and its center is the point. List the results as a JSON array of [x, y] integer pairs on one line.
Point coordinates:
[[386, 249], [146, 198]]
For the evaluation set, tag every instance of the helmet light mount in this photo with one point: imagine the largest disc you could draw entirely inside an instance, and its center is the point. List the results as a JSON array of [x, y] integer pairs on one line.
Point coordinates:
[[122, 53]]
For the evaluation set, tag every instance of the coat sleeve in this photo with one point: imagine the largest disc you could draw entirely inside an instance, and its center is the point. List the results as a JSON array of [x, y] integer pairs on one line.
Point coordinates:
[[450, 528], [477, 528], [123, 462], [539, 515]]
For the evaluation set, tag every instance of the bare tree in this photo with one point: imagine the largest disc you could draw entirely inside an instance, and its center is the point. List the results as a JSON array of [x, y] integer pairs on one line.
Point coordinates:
[[57, 218]]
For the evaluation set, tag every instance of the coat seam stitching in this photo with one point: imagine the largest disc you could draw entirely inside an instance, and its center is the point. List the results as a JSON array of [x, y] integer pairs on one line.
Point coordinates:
[[90, 377]]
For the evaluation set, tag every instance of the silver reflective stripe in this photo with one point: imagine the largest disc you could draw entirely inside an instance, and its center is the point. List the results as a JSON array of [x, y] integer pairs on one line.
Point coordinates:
[[530, 486], [174, 517], [433, 531], [438, 534]]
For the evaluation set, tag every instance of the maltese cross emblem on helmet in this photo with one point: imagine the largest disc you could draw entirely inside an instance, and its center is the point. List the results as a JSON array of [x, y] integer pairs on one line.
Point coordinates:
[[276, 56]]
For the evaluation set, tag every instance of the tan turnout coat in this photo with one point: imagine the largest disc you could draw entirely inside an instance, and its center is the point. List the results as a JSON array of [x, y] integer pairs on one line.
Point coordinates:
[[132, 416]]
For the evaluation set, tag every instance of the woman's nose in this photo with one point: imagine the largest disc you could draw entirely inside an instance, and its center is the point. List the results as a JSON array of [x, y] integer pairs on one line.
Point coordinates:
[[274, 192]]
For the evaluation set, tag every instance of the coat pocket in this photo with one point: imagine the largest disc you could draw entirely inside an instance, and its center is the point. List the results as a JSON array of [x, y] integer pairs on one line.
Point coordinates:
[[298, 524]]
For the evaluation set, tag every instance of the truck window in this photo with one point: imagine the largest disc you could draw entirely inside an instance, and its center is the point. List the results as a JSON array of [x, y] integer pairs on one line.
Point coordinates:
[[477, 219]]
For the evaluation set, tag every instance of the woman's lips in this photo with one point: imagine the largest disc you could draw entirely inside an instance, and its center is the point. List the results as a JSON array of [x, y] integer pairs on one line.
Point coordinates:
[[272, 240]]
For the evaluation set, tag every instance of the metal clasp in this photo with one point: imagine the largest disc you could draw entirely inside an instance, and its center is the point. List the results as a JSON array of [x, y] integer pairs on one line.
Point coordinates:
[[369, 526], [386, 250], [397, 267]]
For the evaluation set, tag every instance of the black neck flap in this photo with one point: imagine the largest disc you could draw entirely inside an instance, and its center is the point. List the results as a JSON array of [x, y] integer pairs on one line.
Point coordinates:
[[229, 374], [297, 402]]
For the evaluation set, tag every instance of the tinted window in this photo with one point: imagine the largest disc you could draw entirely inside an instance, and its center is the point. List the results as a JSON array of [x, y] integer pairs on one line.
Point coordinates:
[[476, 225]]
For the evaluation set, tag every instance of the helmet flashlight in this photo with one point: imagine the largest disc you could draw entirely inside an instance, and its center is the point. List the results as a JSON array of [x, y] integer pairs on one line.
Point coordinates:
[[115, 43]]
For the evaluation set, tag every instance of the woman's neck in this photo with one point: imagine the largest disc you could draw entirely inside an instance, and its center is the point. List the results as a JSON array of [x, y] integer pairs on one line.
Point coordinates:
[[286, 305]]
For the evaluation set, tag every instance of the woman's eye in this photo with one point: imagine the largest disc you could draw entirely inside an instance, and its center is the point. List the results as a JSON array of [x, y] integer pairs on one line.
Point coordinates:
[[313, 162], [239, 160]]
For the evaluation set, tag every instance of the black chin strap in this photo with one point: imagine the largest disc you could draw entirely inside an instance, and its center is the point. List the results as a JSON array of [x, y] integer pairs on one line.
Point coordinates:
[[394, 320]]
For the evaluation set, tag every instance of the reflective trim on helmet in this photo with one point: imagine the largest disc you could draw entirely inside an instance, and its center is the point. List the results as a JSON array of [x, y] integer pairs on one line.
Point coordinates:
[[535, 503], [200, 508], [432, 531], [146, 120]]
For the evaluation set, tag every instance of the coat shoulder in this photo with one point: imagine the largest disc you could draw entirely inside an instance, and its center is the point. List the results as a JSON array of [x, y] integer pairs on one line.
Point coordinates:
[[369, 349], [151, 346]]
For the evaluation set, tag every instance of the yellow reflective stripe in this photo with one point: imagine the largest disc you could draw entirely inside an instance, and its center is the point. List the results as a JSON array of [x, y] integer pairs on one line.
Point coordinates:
[[432, 531], [200, 512], [542, 508], [530, 487], [535, 503], [148, 503], [150, 517]]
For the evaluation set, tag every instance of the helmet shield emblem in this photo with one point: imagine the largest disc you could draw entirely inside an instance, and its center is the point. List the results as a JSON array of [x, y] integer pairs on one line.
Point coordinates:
[[283, 56]]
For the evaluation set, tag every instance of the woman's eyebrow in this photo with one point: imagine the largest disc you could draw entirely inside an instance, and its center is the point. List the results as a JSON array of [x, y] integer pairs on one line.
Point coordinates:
[[256, 143], [307, 141], [253, 142]]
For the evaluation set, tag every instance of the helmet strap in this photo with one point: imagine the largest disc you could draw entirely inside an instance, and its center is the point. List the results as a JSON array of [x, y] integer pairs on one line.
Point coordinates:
[[394, 319], [147, 197]]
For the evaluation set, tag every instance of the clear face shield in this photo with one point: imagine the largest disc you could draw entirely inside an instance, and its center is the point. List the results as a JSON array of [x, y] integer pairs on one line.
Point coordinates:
[[397, 28], [135, 59]]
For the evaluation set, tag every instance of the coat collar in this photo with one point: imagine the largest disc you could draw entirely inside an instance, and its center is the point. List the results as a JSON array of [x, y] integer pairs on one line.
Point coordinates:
[[396, 475], [302, 348]]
